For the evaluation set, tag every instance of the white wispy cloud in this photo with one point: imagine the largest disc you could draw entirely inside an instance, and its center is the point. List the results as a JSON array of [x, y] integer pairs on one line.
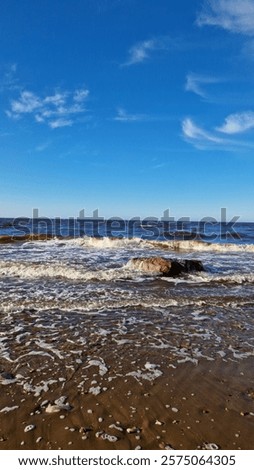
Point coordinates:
[[8, 78], [195, 83], [238, 123], [197, 134], [42, 147], [141, 51], [60, 123], [236, 16], [205, 140], [123, 116], [55, 110]]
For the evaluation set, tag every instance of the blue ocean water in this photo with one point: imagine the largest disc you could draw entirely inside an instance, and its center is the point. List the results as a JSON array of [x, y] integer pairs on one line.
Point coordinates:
[[148, 229]]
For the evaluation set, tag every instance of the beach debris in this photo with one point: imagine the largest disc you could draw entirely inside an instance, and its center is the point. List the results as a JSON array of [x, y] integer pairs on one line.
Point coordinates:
[[44, 403], [164, 446], [133, 430], [39, 439], [84, 432], [114, 426], [29, 427], [210, 446], [106, 437], [7, 409], [159, 423], [53, 409], [59, 405]]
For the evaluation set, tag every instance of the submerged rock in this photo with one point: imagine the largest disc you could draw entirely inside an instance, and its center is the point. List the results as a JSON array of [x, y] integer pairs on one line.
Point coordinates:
[[165, 267]]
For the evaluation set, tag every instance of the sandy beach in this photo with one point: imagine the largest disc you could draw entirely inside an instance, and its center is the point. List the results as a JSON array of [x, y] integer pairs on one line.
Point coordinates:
[[191, 407]]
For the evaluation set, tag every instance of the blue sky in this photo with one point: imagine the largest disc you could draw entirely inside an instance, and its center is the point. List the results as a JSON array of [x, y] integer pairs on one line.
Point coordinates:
[[127, 106]]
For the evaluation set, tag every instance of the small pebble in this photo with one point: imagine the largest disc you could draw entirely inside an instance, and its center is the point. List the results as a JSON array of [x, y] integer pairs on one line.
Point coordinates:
[[90, 412], [175, 410], [159, 423], [100, 419], [44, 403], [132, 430], [30, 427], [62, 416], [138, 448], [38, 440]]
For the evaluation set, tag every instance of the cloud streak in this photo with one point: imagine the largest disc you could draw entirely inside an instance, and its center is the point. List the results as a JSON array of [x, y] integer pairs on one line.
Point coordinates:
[[197, 134], [202, 139], [57, 110], [123, 116], [143, 50], [236, 16], [9, 80], [195, 83]]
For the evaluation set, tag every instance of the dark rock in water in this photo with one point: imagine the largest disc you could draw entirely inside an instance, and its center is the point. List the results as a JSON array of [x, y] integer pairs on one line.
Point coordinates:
[[165, 267], [193, 265]]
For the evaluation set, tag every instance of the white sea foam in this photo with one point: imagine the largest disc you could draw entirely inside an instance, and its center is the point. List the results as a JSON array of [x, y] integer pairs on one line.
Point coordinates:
[[183, 245], [150, 372], [98, 363]]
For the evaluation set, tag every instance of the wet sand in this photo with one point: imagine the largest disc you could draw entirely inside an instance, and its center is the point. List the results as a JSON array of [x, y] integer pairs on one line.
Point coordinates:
[[185, 408]]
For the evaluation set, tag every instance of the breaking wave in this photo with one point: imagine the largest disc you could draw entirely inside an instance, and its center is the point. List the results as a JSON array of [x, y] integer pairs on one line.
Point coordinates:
[[115, 243]]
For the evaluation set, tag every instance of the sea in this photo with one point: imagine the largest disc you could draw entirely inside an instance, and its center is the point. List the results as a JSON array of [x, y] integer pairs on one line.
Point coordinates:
[[69, 298]]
